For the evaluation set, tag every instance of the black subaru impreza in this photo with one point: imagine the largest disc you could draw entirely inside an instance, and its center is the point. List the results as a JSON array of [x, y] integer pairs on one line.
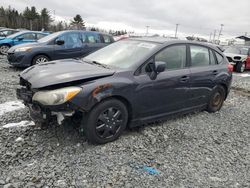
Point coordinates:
[[127, 83]]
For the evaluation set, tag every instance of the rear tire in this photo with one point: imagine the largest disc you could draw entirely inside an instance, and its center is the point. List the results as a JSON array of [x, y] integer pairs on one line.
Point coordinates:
[[240, 67], [216, 99], [105, 122], [40, 59], [4, 48]]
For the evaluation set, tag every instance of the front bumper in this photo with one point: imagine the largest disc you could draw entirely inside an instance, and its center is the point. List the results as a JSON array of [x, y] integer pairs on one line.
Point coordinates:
[[45, 114], [19, 59]]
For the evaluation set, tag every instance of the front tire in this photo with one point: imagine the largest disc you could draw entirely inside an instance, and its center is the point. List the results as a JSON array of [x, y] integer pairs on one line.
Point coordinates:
[[240, 67], [4, 48], [39, 59], [216, 99], [105, 122]]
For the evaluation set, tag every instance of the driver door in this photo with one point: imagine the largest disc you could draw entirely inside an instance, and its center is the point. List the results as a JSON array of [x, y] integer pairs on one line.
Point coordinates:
[[71, 48], [25, 38], [166, 93]]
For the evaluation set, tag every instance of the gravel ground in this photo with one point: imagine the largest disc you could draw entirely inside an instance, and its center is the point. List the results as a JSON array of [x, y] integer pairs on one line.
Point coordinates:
[[195, 150]]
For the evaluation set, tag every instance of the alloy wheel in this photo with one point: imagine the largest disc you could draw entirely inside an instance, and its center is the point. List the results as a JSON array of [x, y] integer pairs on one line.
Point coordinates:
[[217, 99], [109, 123], [41, 60], [4, 49]]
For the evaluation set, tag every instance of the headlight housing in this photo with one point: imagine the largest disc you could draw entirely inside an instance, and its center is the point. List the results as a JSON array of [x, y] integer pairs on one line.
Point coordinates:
[[56, 97], [23, 49]]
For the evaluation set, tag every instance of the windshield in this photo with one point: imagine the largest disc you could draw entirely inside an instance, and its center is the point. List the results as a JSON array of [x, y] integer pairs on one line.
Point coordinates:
[[122, 54], [237, 50], [49, 37]]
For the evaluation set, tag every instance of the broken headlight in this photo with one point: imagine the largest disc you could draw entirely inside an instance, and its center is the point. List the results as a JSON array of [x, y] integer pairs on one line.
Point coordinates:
[[56, 97]]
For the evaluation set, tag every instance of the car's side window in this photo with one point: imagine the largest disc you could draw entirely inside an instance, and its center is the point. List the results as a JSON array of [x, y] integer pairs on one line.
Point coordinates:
[[93, 38], [71, 40], [199, 56], [173, 56], [83, 38], [39, 36], [106, 39], [28, 36], [212, 58], [219, 58]]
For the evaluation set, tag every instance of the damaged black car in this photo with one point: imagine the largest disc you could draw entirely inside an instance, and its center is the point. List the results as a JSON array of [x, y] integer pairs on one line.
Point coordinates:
[[126, 84]]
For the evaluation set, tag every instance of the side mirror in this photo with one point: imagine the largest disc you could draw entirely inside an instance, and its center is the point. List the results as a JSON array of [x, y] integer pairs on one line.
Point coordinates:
[[20, 38], [160, 66], [59, 42]]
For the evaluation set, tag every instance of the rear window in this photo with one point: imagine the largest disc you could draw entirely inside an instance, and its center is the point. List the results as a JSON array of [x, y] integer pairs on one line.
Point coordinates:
[[107, 39], [199, 56], [219, 58], [212, 58], [93, 38], [39, 36]]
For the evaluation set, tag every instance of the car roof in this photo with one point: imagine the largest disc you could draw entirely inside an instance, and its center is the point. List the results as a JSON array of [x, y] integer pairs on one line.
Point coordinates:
[[97, 32], [164, 40], [7, 29]]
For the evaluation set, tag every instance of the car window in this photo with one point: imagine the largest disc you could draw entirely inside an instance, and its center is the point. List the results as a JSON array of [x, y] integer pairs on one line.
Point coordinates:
[[83, 37], [7, 32], [212, 59], [106, 39], [39, 36], [2, 34], [219, 58], [93, 38], [199, 56], [71, 40], [28, 36], [174, 57]]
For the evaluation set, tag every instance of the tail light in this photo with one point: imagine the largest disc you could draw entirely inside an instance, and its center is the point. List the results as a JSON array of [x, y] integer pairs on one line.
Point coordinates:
[[230, 67]]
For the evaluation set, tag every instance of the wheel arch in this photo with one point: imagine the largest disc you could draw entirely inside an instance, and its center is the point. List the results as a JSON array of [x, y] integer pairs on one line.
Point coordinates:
[[34, 56], [6, 44], [123, 100], [225, 88]]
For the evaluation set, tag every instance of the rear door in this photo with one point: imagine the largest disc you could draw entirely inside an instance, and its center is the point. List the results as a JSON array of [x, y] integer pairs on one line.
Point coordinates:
[[204, 70], [94, 42], [71, 48]]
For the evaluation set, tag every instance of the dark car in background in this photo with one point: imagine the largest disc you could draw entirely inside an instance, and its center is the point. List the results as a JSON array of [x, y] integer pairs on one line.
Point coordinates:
[[60, 45], [20, 38], [6, 32], [128, 83], [239, 57]]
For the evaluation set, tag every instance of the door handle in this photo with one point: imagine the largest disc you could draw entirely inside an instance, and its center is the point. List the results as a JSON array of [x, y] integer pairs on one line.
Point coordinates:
[[215, 72], [184, 78]]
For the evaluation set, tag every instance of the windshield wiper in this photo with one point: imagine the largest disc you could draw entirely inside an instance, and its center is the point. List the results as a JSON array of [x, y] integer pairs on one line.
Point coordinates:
[[96, 63]]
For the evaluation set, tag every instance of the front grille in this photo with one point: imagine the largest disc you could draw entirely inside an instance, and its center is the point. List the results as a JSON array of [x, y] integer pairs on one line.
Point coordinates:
[[229, 59], [237, 58], [24, 94]]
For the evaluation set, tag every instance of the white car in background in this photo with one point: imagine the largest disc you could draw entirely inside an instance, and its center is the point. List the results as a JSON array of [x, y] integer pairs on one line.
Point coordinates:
[[239, 57]]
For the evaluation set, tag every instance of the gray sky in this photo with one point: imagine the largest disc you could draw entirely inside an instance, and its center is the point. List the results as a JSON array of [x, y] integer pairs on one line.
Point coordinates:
[[200, 17]]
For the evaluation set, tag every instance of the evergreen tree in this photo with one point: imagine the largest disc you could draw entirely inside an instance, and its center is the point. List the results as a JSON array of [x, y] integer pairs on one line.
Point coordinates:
[[78, 22], [30, 14]]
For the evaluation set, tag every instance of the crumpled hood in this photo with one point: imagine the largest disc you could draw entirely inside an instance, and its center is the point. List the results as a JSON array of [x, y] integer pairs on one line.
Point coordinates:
[[62, 71], [242, 57]]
